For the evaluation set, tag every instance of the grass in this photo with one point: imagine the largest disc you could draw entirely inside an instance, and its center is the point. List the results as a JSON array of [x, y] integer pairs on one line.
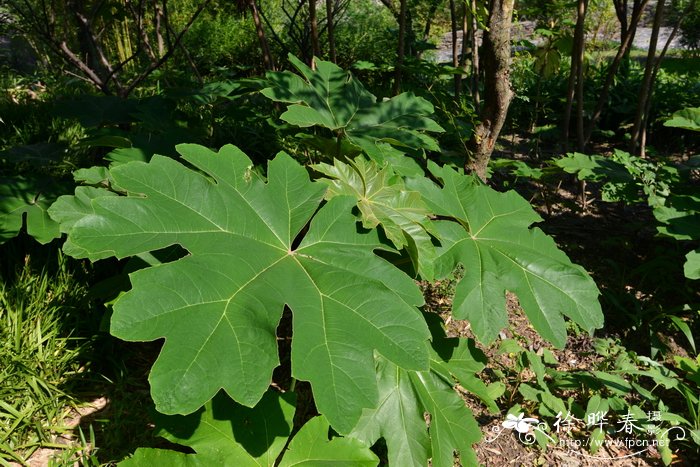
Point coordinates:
[[42, 359], [56, 358]]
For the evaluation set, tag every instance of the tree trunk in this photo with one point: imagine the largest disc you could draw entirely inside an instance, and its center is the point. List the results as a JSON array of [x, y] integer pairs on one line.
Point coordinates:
[[647, 82], [576, 73], [315, 46], [465, 35], [497, 91], [331, 31], [455, 50], [657, 67], [612, 70], [262, 38], [401, 47], [429, 21], [475, 54], [580, 135], [627, 25]]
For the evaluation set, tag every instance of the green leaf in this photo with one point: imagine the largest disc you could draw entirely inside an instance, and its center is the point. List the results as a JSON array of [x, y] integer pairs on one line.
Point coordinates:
[[24, 202], [208, 94], [584, 166], [254, 246], [537, 367], [518, 168], [691, 268], [617, 384], [332, 98], [680, 324], [399, 418], [688, 119], [596, 440], [69, 209], [489, 235], [461, 360], [311, 447], [106, 140], [680, 219], [597, 168], [224, 433], [92, 176], [383, 199], [406, 396]]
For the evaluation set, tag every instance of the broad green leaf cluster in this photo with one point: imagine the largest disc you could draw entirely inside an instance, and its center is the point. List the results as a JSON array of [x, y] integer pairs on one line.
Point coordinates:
[[325, 257], [322, 248], [331, 98]]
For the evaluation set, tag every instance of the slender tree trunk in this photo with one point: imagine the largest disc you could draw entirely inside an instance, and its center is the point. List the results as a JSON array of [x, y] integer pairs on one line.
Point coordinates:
[[628, 27], [647, 80], [657, 67], [429, 19], [429, 22], [262, 38], [331, 30], [475, 53], [497, 91], [455, 49], [465, 35], [580, 135], [401, 47], [315, 46], [576, 73], [612, 70], [86, 43], [159, 30]]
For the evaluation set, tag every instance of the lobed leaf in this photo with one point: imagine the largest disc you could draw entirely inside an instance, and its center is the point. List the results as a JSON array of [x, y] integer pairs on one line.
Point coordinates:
[[491, 238], [331, 98], [254, 246], [406, 396], [24, 202]]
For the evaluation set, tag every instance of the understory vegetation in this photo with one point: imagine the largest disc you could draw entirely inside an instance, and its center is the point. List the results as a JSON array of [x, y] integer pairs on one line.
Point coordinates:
[[407, 232]]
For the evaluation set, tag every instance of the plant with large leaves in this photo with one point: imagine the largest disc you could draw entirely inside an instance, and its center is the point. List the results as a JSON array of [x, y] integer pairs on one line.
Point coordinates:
[[259, 245], [332, 98], [250, 255]]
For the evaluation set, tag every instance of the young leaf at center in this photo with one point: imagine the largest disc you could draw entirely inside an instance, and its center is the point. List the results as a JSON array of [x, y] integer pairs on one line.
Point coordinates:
[[383, 199]]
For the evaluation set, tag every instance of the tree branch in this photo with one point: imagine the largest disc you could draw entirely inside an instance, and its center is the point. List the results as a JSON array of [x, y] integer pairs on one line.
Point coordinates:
[[154, 66]]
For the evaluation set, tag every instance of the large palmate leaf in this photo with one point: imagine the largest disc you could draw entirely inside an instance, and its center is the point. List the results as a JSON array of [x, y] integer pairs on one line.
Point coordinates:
[[331, 98], [492, 239], [24, 202], [688, 119], [405, 396], [224, 434], [254, 247], [383, 199]]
